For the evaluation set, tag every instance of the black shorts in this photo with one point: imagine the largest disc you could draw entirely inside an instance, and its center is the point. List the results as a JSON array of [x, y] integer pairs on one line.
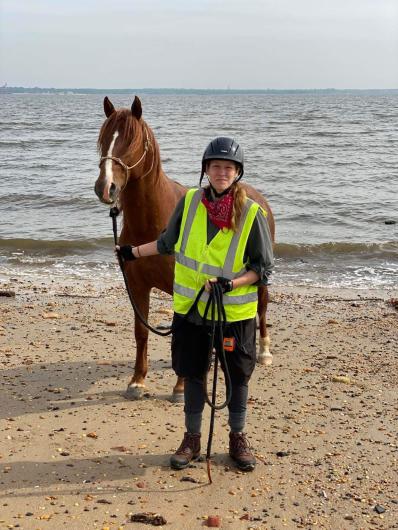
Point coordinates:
[[190, 349]]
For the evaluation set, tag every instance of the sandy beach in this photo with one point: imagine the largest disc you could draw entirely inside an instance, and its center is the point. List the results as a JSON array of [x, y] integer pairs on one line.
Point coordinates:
[[74, 453]]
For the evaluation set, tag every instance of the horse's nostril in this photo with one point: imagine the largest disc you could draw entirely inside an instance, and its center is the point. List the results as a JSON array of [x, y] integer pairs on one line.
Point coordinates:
[[112, 188], [97, 190]]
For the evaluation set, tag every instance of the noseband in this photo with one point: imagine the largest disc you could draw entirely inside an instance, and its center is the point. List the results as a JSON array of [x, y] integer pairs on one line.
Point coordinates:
[[147, 145]]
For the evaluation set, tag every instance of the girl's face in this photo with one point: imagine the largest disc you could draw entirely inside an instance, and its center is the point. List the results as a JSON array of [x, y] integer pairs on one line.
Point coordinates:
[[221, 173]]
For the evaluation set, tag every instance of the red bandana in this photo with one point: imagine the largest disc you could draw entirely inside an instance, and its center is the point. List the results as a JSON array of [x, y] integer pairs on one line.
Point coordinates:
[[220, 211]]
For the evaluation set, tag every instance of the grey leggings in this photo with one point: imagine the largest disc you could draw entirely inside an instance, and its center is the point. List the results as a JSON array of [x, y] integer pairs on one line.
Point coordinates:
[[195, 401]]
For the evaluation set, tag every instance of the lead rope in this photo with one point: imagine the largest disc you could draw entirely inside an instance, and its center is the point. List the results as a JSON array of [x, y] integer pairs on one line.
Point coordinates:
[[215, 300], [113, 213]]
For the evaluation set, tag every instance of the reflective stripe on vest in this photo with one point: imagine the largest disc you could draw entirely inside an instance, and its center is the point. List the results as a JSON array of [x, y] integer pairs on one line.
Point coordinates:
[[240, 299], [196, 261]]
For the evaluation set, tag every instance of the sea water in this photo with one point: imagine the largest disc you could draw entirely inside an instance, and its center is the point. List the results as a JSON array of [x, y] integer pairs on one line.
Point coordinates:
[[328, 165]]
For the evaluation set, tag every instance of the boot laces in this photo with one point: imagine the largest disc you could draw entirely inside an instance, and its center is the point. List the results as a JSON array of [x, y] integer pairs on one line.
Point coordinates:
[[241, 443], [187, 445]]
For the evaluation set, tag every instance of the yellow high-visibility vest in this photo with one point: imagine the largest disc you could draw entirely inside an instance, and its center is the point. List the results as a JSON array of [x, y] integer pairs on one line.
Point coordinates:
[[196, 261]]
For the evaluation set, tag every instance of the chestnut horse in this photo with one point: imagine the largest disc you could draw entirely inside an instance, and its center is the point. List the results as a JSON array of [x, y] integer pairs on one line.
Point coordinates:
[[131, 174]]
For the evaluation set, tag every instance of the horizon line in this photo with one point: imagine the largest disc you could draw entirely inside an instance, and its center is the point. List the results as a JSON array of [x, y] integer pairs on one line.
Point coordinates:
[[227, 89]]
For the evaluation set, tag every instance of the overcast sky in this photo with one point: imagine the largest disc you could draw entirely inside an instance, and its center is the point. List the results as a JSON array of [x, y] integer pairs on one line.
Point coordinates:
[[199, 44]]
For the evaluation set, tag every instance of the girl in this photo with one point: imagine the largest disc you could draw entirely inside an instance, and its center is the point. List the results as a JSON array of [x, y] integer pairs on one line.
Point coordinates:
[[218, 235]]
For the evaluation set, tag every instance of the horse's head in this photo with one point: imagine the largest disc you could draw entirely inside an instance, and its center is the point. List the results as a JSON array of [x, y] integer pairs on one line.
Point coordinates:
[[123, 143]]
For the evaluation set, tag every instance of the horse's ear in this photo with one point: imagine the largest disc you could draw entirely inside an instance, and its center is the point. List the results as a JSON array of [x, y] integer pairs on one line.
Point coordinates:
[[136, 108], [108, 107]]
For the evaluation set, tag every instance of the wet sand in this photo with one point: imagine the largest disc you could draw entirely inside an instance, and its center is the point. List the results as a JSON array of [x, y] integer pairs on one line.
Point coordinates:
[[74, 453]]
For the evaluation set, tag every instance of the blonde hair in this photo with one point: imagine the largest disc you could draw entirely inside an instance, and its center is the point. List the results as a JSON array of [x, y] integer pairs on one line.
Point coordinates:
[[239, 195]]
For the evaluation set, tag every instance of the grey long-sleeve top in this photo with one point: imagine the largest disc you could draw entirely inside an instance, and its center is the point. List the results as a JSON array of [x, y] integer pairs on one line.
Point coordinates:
[[258, 253]]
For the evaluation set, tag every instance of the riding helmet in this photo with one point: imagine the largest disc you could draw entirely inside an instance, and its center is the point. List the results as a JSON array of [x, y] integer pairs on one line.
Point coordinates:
[[223, 148]]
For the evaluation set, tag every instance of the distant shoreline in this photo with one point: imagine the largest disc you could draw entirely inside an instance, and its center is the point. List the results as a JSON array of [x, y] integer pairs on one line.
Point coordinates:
[[196, 91]]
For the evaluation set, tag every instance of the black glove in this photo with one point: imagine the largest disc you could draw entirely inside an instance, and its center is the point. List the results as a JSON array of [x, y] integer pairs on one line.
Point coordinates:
[[126, 252], [225, 283]]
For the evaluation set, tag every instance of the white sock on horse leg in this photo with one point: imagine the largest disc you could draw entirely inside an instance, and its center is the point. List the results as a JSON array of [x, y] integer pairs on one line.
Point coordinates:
[[264, 355]]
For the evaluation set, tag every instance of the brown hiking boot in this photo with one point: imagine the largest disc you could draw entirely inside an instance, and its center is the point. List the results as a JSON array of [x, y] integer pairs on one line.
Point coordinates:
[[239, 450], [188, 450]]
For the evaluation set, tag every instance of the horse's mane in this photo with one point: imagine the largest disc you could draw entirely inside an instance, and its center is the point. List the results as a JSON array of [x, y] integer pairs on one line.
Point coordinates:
[[131, 133]]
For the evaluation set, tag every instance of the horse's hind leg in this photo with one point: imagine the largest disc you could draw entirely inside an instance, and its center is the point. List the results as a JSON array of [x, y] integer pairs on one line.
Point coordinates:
[[136, 387], [178, 391], [264, 355]]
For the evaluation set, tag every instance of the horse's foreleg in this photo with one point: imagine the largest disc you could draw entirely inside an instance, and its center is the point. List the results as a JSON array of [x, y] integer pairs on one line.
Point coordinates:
[[136, 387], [264, 355]]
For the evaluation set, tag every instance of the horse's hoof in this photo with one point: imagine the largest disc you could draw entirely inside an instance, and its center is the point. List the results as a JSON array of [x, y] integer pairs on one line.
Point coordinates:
[[264, 359], [177, 397], [134, 392]]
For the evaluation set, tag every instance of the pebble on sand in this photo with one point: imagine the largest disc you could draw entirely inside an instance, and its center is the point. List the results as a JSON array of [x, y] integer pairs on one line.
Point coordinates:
[[379, 509], [53, 316], [148, 518], [341, 379], [213, 521], [92, 435], [8, 294]]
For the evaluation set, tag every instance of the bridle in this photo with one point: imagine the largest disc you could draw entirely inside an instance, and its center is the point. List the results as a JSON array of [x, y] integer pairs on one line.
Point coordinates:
[[147, 145]]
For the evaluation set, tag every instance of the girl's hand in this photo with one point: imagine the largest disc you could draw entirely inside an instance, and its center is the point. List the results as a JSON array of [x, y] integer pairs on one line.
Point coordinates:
[[208, 282], [125, 252], [226, 284]]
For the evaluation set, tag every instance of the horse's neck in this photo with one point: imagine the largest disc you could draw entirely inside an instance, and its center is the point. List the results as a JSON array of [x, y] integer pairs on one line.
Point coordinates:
[[147, 205]]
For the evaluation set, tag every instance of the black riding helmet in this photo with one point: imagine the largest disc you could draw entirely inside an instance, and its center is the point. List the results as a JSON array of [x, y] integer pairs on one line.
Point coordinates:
[[223, 148]]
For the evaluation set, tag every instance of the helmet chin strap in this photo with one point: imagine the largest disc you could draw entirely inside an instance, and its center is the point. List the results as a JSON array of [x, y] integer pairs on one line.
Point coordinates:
[[215, 193]]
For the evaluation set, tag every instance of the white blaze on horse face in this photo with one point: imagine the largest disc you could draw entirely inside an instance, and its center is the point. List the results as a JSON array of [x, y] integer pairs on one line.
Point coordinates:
[[108, 163]]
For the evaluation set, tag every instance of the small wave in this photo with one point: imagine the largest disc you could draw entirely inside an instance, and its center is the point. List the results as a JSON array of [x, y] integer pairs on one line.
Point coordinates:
[[312, 117], [326, 133], [386, 250], [284, 145], [18, 143], [282, 122], [17, 123], [63, 247], [60, 247], [43, 142], [48, 201]]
